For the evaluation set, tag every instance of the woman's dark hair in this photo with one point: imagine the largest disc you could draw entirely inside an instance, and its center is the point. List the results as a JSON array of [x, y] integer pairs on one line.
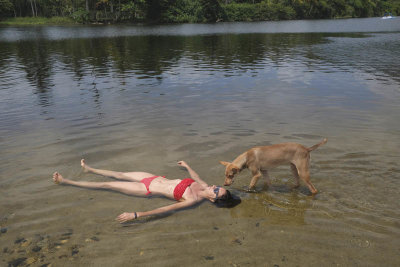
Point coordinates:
[[227, 201]]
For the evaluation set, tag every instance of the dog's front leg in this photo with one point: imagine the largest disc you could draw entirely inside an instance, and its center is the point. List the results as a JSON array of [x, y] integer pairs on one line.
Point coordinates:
[[256, 175]]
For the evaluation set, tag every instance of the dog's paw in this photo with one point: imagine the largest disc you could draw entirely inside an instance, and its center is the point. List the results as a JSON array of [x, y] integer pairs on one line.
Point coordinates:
[[251, 190]]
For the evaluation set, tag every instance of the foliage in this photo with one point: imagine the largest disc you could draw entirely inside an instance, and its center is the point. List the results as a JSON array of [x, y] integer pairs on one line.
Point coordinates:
[[182, 11], [391, 6], [81, 16], [266, 10], [6, 8], [133, 10], [212, 10]]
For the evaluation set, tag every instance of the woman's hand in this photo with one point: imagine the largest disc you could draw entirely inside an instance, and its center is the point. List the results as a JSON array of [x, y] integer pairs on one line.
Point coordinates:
[[126, 216], [192, 173], [183, 164]]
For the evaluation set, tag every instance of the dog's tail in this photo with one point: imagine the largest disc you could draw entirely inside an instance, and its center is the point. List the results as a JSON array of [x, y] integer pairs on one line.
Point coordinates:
[[317, 145]]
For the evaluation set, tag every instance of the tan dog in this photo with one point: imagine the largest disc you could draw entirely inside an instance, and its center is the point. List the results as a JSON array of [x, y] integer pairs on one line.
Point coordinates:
[[260, 159]]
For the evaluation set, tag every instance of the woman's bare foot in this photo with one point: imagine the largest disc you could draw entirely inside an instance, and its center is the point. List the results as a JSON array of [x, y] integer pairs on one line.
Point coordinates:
[[57, 178], [84, 166]]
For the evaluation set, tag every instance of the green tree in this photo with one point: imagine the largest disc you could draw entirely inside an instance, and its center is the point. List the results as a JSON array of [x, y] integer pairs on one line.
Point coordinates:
[[133, 10], [6, 8]]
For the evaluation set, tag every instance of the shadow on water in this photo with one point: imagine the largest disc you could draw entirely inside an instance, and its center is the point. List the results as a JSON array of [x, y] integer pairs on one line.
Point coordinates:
[[279, 206]]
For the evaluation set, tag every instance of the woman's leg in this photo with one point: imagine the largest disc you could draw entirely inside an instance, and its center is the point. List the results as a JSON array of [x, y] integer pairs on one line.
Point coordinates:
[[129, 188], [129, 176]]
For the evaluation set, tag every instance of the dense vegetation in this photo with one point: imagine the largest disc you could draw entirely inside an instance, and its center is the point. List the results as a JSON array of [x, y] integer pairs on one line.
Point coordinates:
[[165, 11]]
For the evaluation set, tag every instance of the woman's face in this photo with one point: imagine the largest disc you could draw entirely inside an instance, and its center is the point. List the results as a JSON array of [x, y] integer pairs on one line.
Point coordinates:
[[217, 192]]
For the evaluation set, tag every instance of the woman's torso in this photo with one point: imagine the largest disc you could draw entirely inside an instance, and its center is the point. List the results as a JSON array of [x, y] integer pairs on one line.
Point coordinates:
[[166, 187]]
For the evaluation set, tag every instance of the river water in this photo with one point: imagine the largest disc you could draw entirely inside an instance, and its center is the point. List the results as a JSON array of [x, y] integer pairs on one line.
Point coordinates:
[[140, 98]]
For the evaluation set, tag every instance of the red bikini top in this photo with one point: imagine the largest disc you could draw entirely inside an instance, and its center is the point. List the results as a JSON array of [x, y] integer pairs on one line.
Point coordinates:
[[181, 188]]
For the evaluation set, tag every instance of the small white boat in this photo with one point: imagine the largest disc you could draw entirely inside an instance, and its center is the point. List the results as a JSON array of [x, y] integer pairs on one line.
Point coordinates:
[[388, 16]]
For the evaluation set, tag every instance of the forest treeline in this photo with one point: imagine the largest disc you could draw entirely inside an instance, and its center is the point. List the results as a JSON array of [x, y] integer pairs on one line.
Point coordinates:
[[170, 11]]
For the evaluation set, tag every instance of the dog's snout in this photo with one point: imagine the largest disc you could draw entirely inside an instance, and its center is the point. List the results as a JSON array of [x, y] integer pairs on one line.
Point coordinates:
[[228, 181]]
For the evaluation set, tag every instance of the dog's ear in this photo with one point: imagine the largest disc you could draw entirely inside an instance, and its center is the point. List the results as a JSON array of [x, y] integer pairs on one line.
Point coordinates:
[[225, 163]]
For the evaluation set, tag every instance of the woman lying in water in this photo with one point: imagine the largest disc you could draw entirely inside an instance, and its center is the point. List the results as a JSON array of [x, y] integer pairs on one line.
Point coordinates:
[[187, 192]]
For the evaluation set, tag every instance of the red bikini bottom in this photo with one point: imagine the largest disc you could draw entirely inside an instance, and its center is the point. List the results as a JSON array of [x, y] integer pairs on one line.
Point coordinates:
[[178, 191], [147, 182]]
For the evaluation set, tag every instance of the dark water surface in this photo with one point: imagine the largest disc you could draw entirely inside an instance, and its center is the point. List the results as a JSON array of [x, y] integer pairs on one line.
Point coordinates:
[[140, 98]]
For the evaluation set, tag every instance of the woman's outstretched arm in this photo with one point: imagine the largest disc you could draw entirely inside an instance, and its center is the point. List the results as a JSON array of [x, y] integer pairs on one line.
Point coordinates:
[[192, 173], [128, 216]]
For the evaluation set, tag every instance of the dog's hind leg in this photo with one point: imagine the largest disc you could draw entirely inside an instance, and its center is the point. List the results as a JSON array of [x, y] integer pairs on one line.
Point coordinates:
[[304, 174], [295, 175]]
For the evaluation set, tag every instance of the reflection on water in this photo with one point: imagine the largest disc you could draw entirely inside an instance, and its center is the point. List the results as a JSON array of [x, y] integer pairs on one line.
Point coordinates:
[[135, 98], [147, 63]]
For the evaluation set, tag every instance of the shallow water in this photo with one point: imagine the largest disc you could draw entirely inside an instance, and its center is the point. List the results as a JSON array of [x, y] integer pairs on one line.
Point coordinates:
[[143, 97]]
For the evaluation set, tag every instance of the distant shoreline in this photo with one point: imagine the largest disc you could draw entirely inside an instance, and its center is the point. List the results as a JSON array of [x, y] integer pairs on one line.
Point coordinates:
[[186, 11], [65, 21]]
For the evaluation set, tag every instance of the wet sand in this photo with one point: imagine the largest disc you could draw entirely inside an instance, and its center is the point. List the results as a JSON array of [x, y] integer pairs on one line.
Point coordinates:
[[352, 221]]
